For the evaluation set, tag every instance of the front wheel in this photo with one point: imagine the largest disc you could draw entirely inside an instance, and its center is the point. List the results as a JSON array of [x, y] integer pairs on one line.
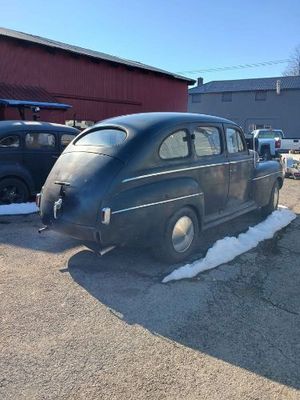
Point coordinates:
[[273, 202], [180, 236]]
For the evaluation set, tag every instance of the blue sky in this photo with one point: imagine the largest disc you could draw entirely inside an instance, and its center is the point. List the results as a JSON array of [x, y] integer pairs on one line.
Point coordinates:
[[175, 35]]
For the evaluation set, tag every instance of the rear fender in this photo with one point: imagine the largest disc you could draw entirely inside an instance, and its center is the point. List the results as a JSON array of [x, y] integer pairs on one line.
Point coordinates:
[[265, 175], [140, 213]]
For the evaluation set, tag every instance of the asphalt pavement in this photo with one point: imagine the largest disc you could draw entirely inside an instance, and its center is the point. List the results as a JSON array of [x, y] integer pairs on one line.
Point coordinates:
[[76, 326]]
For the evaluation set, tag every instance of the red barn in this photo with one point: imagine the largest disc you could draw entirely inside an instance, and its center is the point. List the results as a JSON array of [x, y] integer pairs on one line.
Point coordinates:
[[68, 82]]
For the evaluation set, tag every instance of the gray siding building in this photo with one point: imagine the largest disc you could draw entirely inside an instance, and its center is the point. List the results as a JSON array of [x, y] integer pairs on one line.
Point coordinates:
[[251, 103]]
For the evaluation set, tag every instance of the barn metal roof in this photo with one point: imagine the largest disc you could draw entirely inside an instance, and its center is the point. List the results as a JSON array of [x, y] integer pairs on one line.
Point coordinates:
[[86, 52], [28, 96], [246, 85]]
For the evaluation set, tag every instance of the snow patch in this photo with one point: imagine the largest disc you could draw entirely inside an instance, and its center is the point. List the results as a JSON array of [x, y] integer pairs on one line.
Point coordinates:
[[226, 249], [18, 208]]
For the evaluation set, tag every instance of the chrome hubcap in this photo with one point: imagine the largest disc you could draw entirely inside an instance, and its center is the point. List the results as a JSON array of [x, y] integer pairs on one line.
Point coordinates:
[[275, 198], [183, 234]]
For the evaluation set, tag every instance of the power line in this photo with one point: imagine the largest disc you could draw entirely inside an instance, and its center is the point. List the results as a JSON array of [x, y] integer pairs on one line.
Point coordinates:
[[241, 66]]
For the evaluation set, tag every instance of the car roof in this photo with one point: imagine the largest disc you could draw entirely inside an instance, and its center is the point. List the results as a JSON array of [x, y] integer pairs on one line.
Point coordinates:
[[13, 126], [154, 120]]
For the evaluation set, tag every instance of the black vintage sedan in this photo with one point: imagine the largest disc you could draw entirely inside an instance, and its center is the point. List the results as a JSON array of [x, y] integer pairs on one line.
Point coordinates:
[[157, 180], [28, 151]]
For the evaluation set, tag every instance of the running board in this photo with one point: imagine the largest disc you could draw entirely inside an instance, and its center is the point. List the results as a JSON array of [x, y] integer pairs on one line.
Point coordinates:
[[229, 217]]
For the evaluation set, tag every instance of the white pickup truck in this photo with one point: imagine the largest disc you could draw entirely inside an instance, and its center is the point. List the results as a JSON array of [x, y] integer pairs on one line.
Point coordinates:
[[270, 142], [291, 167], [292, 145]]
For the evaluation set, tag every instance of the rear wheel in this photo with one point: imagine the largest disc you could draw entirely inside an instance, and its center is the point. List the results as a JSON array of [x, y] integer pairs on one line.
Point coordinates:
[[273, 202], [180, 237], [13, 190]]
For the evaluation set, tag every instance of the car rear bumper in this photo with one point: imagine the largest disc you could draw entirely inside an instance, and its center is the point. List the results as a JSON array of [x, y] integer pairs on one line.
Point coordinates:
[[81, 232]]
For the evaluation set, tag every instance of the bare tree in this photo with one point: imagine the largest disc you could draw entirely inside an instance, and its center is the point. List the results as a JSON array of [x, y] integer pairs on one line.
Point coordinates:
[[293, 67]]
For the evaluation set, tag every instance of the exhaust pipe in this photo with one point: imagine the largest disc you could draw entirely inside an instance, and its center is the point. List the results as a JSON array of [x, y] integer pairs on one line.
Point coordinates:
[[41, 230], [106, 250]]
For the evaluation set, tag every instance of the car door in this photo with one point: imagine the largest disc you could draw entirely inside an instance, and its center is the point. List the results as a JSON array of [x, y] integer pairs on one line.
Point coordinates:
[[40, 153], [213, 169], [10, 149], [240, 168]]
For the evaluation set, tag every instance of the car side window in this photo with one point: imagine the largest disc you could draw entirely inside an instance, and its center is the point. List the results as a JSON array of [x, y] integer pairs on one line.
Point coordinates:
[[40, 141], [234, 140], [175, 146], [11, 141], [207, 141], [65, 139]]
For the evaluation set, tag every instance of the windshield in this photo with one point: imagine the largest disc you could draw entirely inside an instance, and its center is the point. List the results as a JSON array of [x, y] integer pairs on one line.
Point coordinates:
[[270, 134], [102, 138]]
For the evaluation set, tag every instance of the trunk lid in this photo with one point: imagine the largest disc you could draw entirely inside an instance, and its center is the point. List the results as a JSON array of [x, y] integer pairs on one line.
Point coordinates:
[[80, 179]]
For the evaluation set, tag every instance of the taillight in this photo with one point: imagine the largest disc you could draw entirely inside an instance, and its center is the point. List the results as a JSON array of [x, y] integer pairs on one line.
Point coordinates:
[[105, 215], [38, 200], [277, 144]]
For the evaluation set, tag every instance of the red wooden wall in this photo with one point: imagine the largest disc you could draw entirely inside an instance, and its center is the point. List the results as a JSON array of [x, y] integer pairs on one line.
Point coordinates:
[[96, 89]]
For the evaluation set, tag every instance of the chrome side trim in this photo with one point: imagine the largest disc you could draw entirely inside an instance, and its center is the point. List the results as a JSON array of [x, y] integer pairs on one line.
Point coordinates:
[[156, 203], [240, 161], [265, 176], [134, 178]]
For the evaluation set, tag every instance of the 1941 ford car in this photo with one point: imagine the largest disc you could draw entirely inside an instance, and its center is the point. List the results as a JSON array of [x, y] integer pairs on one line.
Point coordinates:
[[157, 180]]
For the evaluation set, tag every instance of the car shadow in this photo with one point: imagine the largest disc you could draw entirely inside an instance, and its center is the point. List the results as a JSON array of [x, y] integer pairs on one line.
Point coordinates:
[[22, 231], [245, 313]]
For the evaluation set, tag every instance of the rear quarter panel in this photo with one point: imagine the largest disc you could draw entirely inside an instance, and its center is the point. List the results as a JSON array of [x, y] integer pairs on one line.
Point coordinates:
[[148, 206]]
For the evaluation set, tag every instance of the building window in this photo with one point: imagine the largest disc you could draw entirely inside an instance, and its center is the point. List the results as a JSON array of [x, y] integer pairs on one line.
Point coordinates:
[[196, 98], [260, 95], [79, 124], [227, 96]]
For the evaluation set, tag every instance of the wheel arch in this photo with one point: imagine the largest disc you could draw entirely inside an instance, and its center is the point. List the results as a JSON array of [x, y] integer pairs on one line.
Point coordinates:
[[19, 178], [198, 212]]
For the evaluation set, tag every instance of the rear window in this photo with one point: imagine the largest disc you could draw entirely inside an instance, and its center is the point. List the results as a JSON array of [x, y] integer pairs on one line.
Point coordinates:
[[66, 138], [10, 141], [40, 141], [102, 138], [270, 134]]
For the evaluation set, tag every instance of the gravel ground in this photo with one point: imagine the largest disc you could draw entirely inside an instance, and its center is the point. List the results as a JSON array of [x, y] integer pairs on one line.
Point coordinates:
[[75, 326]]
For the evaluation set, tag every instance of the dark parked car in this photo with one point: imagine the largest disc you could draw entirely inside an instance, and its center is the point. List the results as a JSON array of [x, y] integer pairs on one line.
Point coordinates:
[[28, 151], [156, 179]]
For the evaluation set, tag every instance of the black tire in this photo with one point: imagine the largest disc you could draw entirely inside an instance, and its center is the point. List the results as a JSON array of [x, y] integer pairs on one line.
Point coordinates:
[[13, 190], [273, 202], [167, 250]]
